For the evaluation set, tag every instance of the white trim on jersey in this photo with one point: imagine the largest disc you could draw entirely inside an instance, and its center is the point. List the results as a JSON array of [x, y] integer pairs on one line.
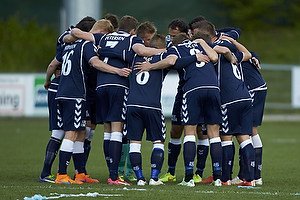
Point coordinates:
[[236, 101], [52, 90], [201, 87], [139, 106], [111, 84], [260, 88]]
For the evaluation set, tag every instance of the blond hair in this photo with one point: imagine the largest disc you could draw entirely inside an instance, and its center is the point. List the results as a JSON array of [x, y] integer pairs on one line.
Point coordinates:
[[103, 24]]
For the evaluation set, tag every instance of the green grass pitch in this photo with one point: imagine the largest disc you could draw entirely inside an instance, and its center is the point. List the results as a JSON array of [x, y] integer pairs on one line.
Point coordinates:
[[22, 148]]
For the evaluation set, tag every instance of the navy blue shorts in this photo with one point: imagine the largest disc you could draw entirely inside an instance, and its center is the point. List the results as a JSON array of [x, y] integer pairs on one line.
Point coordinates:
[[176, 111], [258, 103], [201, 106], [91, 98], [111, 104], [139, 119], [54, 121], [72, 113], [237, 118]]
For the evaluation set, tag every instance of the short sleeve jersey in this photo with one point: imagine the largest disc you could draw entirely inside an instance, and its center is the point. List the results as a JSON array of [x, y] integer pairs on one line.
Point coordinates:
[[230, 76], [145, 88], [252, 76], [75, 62], [60, 44], [197, 74], [118, 41]]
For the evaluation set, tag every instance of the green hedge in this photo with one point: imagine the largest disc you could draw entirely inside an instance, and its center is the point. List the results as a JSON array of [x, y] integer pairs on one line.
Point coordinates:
[[26, 47]]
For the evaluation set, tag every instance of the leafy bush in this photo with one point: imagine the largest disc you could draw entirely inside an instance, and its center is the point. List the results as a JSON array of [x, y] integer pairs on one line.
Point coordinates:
[[26, 47]]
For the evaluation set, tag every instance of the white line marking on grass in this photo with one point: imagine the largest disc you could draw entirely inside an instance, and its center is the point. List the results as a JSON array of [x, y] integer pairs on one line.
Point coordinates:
[[234, 192], [94, 194]]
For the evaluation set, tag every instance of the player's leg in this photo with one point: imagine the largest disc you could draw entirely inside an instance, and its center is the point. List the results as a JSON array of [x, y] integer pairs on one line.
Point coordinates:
[[257, 144], [51, 152], [227, 159], [189, 153], [202, 152], [115, 149], [157, 159], [215, 151], [106, 142], [248, 154], [136, 161]]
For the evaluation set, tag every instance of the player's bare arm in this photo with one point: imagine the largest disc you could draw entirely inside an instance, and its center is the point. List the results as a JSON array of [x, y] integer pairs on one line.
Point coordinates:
[[102, 66], [240, 47], [208, 50], [147, 66], [141, 50], [50, 71]]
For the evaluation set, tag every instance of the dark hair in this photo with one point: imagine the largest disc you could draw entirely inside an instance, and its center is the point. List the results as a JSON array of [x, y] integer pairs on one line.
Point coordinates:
[[180, 24], [202, 35], [196, 19], [127, 23], [144, 28], [206, 27], [86, 24], [114, 20]]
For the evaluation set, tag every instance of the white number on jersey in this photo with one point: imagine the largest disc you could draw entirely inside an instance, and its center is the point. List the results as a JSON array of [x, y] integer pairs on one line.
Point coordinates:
[[236, 72], [111, 44], [193, 52], [142, 78], [67, 63]]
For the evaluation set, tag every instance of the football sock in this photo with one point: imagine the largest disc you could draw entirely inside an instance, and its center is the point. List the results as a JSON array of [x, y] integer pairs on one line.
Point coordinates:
[[216, 156], [233, 153], [189, 153], [157, 159], [174, 148], [243, 167], [248, 155], [257, 144], [121, 167], [227, 160], [65, 155], [106, 142], [78, 156], [51, 152], [87, 149], [136, 159], [115, 150], [202, 152]]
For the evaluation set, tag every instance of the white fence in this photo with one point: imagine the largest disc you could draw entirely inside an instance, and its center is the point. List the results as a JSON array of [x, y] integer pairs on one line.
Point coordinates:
[[24, 94]]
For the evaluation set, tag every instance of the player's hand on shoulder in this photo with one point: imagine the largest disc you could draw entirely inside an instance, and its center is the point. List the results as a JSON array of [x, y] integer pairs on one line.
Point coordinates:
[[202, 58]]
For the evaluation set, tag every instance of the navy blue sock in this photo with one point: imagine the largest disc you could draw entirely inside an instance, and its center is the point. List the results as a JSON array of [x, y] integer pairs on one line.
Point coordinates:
[[136, 163], [243, 167], [189, 153], [233, 153], [157, 160], [87, 148], [227, 163], [258, 163], [106, 152], [64, 160], [173, 153], [115, 150], [51, 152], [202, 152], [78, 162], [216, 158], [248, 155]]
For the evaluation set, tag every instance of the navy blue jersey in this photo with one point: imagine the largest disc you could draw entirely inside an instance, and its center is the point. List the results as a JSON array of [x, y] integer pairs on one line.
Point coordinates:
[[52, 104], [197, 74], [118, 41], [60, 45], [76, 57], [252, 76], [145, 88], [230, 76]]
